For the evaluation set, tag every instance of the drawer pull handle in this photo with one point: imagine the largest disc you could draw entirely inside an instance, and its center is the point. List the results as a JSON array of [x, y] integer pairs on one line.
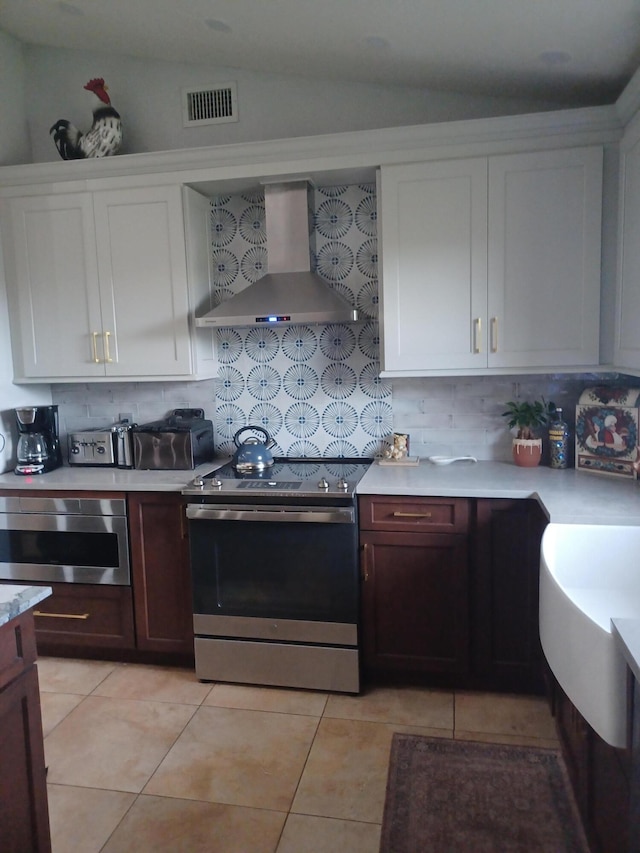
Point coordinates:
[[412, 515], [61, 615]]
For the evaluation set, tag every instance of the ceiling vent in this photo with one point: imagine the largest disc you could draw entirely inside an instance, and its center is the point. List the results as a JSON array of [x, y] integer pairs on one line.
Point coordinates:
[[209, 105]]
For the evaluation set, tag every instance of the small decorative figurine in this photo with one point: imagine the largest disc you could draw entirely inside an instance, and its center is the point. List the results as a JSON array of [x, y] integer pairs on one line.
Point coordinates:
[[400, 447], [101, 140]]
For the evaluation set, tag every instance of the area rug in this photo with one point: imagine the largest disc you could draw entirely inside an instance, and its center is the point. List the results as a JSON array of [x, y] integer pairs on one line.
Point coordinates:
[[446, 796]]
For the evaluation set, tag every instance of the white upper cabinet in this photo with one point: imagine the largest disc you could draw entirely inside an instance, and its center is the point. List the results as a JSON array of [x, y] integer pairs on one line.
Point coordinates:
[[627, 334], [99, 285], [491, 263]]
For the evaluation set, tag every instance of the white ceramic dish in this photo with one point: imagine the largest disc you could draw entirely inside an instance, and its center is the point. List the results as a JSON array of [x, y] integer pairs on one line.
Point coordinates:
[[447, 460]]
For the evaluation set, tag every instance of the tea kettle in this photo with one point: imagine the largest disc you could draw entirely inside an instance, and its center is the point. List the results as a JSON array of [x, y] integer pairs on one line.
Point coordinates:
[[251, 455]]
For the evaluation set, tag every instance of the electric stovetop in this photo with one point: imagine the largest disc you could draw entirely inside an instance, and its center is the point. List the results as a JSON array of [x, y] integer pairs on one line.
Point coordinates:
[[294, 477]]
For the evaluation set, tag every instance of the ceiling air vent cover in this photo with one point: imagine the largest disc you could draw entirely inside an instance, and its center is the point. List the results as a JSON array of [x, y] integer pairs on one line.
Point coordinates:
[[209, 105]]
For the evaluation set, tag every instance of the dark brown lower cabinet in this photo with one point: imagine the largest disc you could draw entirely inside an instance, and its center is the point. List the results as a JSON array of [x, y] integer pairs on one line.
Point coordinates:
[[415, 603], [24, 815], [84, 618], [450, 588], [600, 776], [161, 575], [505, 567]]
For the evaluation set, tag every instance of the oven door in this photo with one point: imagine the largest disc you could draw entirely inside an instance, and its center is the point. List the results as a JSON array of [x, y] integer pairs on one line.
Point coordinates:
[[275, 562], [67, 545]]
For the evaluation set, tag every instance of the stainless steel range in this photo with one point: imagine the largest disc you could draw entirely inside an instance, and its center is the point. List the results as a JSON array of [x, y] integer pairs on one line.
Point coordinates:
[[274, 561]]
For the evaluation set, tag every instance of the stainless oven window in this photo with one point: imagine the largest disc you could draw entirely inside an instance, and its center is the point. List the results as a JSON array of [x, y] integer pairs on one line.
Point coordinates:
[[287, 570]]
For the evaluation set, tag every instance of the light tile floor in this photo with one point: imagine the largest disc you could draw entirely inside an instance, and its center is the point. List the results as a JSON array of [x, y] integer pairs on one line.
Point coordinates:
[[148, 759]]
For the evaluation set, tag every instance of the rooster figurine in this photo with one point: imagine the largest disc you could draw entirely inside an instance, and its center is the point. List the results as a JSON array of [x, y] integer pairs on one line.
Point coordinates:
[[105, 135]]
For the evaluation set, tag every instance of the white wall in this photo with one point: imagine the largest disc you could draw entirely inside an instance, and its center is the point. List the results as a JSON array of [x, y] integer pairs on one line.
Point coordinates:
[[148, 96], [15, 146]]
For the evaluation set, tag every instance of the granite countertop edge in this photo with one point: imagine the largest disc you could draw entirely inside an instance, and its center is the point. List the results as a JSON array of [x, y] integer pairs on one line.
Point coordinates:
[[18, 598]]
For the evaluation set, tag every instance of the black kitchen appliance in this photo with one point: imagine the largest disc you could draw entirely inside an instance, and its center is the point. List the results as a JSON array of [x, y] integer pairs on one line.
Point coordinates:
[[38, 448], [181, 441], [274, 563]]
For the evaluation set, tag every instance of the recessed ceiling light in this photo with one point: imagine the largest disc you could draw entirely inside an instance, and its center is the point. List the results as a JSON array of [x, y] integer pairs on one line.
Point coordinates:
[[376, 42], [218, 26], [70, 9], [555, 57]]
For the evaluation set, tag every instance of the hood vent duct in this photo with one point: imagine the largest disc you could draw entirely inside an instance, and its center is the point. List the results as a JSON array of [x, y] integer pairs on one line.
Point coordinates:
[[289, 293]]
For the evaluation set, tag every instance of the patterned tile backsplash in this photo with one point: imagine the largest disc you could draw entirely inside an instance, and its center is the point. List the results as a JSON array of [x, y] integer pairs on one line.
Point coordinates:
[[316, 389]]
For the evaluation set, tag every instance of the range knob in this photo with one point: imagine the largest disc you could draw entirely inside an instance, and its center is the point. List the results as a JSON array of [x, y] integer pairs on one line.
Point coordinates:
[[198, 482], [216, 483], [342, 484], [323, 484]]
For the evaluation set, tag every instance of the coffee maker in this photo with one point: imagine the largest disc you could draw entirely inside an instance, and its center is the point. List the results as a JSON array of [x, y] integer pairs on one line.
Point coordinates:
[[38, 448]]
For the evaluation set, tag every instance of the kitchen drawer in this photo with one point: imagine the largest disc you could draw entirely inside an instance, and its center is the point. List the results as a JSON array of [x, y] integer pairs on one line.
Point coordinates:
[[85, 616], [17, 647], [433, 515]]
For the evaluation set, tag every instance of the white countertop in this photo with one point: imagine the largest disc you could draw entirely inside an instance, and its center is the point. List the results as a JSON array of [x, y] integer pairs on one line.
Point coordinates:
[[15, 599], [70, 477], [567, 496]]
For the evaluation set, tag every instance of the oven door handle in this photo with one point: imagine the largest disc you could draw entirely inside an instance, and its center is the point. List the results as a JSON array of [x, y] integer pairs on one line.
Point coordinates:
[[319, 515]]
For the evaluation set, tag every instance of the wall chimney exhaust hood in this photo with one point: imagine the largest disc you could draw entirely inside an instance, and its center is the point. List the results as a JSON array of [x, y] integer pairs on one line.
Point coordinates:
[[289, 292]]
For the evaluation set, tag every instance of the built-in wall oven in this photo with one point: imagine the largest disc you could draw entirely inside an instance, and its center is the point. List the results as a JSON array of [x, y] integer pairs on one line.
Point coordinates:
[[67, 539], [274, 562]]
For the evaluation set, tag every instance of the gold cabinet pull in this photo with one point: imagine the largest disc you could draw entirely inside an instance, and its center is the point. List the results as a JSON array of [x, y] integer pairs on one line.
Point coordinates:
[[412, 515], [107, 354], [94, 347], [62, 615], [494, 334], [477, 335]]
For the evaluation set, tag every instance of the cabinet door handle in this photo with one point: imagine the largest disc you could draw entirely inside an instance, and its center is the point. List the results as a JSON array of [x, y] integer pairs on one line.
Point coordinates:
[[494, 334], [412, 515], [477, 335], [61, 615], [365, 562], [94, 347], [107, 354]]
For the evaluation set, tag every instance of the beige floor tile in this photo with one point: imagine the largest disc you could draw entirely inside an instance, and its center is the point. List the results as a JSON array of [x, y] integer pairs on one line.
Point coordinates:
[[82, 819], [346, 772], [305, 702], [500, 714], [245, 758], [62, 675], [55, 707], [407, 706], [306, 834], [153, 683], [113, 743], [162, 825]]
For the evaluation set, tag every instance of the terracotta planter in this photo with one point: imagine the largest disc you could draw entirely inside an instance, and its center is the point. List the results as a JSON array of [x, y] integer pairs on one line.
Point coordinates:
[[527, 452]]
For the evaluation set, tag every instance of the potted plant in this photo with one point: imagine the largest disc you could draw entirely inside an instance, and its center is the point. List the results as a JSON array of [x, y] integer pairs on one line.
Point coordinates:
[[527, 418]]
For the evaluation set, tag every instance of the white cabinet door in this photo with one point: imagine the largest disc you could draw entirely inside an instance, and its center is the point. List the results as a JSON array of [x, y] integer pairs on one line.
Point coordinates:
[[52, 279], [433, 243], [143, 281], [627, 335], [544, 258]]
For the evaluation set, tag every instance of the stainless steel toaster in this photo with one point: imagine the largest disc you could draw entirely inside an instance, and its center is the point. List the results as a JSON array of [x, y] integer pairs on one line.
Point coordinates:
[[110, 447]]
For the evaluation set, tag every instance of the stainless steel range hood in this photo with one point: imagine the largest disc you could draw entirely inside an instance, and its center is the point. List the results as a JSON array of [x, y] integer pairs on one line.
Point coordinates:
[[289, 292]]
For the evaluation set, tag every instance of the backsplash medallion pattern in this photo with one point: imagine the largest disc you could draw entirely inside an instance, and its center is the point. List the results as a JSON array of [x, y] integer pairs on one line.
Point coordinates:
[[315, 389]]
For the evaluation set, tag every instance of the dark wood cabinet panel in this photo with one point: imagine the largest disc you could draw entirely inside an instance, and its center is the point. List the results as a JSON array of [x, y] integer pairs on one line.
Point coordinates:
[[504, 592], [83, 617], [24, 816], [161, 574], [415, 603], [414, 514]]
